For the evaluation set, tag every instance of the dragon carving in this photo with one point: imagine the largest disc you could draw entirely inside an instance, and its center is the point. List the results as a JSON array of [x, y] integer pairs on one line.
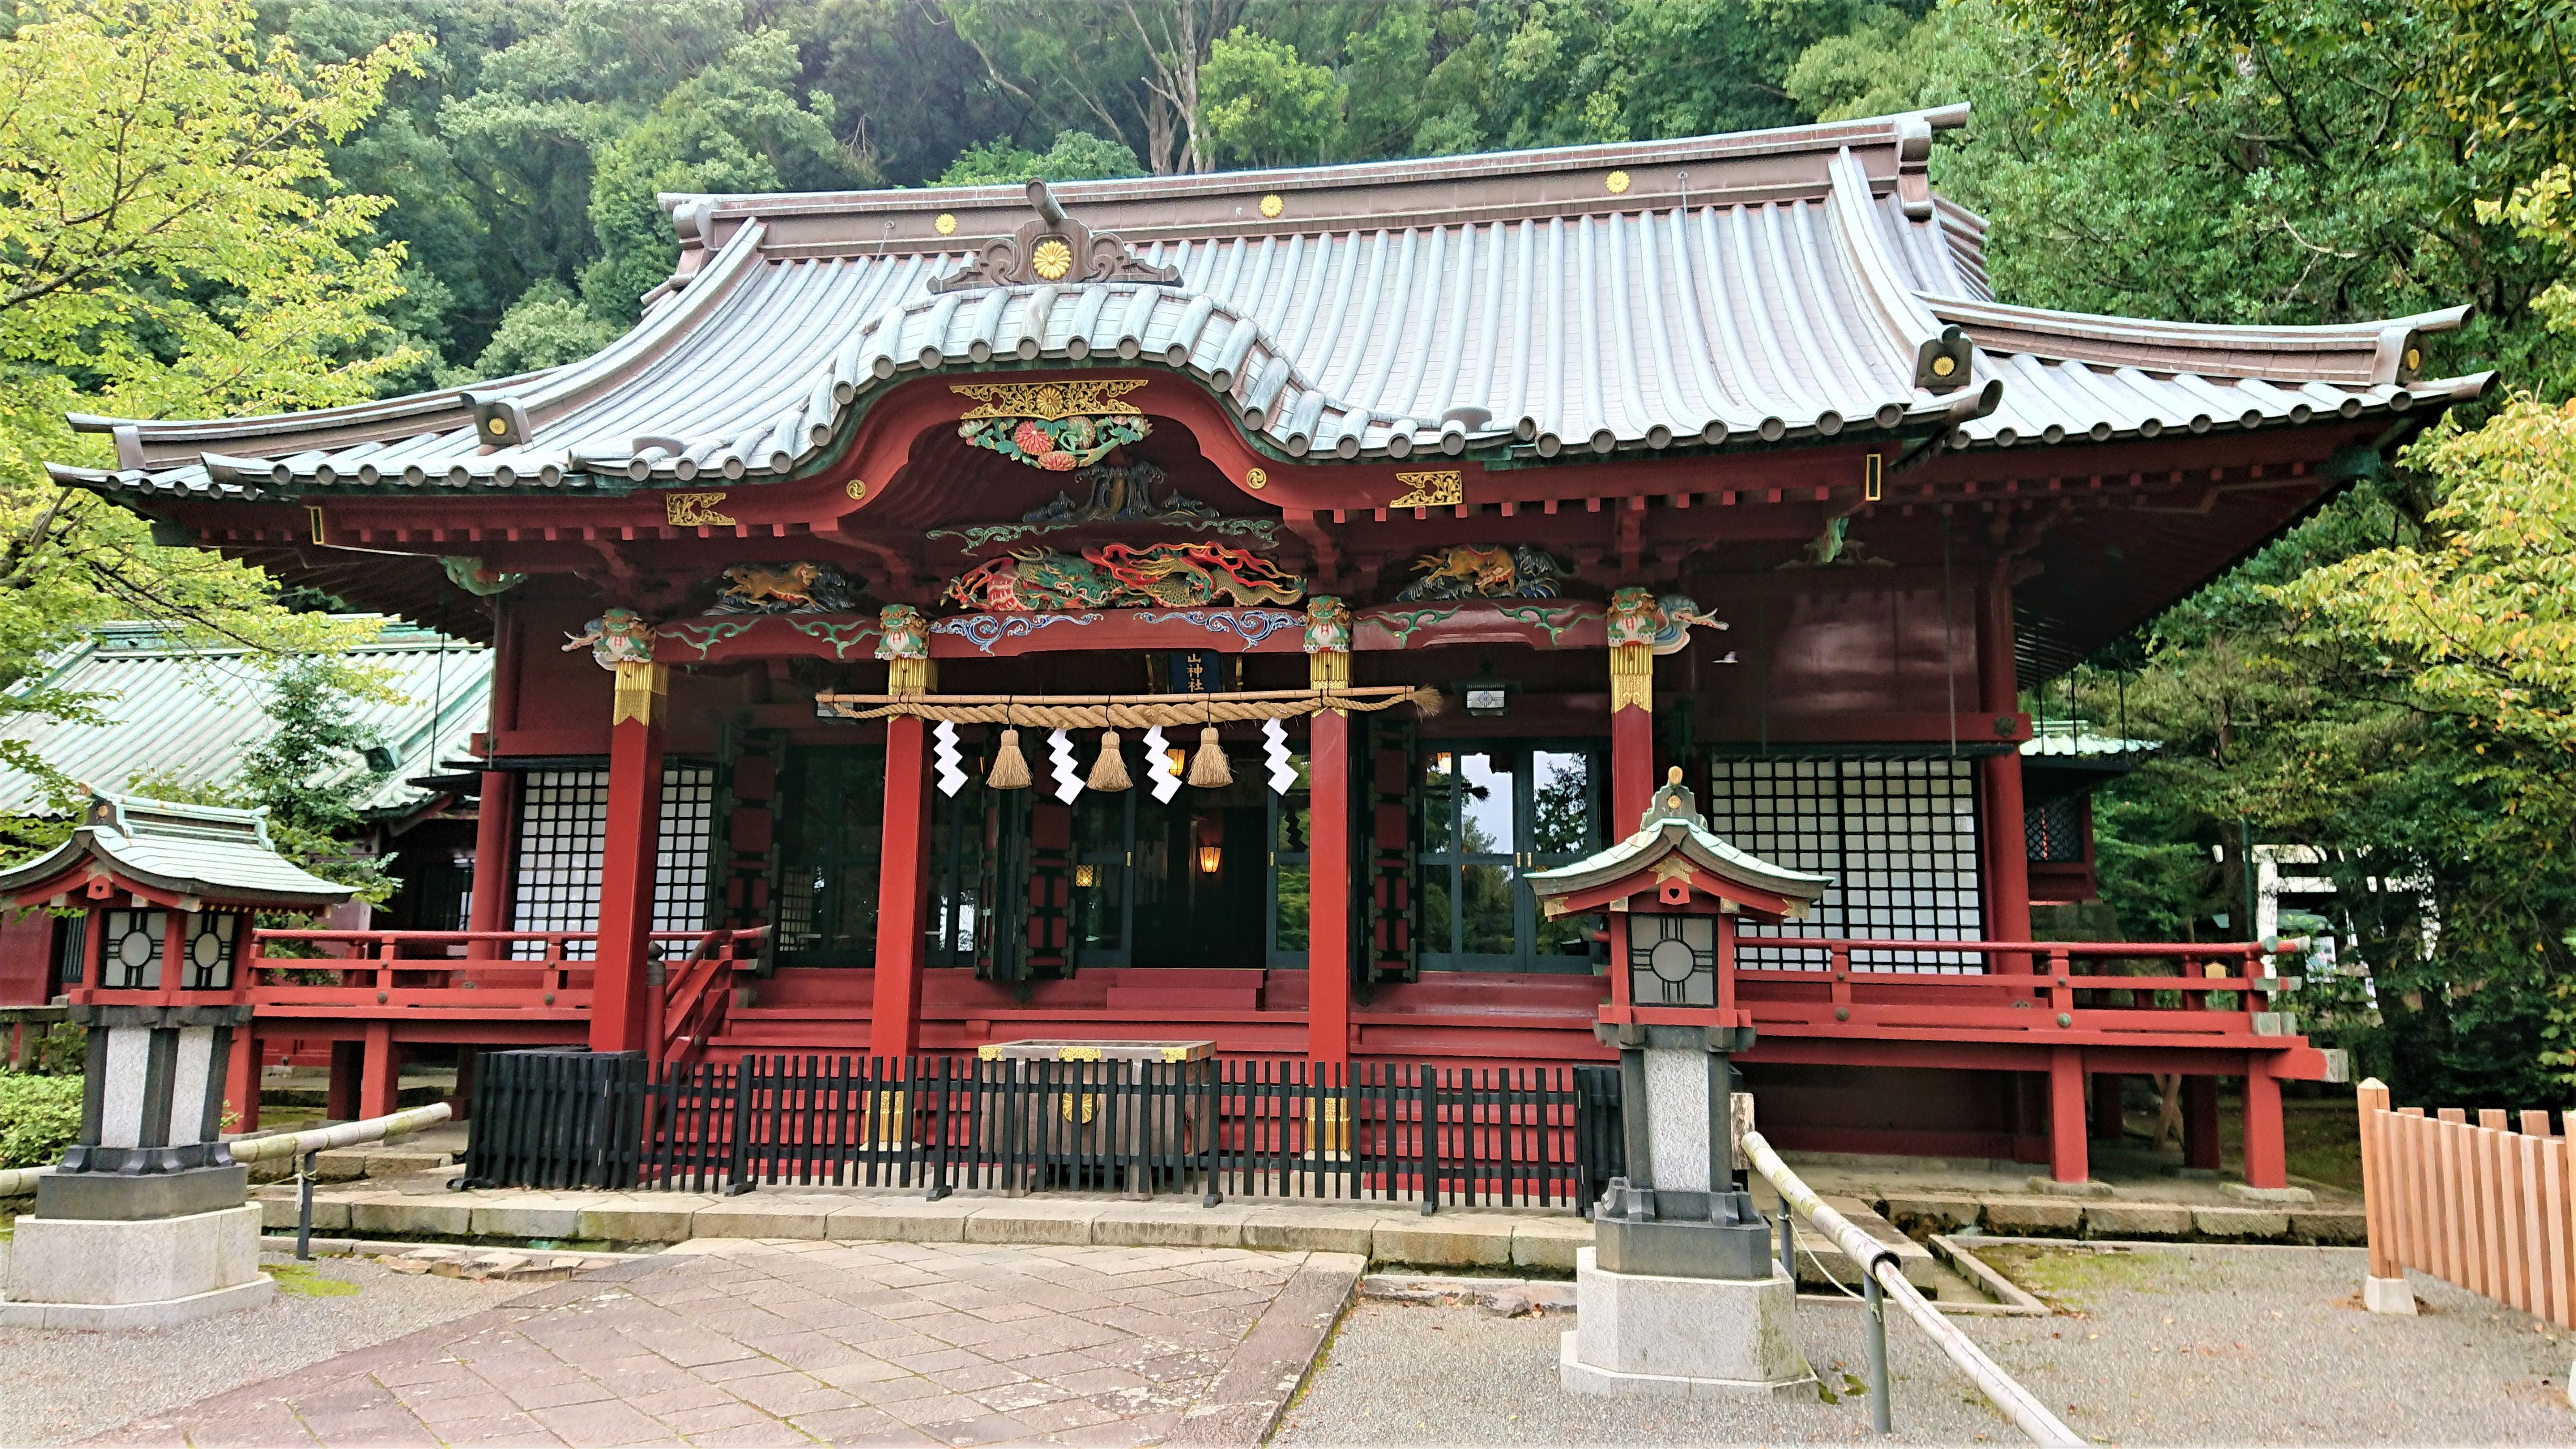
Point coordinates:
[[1117, 575]]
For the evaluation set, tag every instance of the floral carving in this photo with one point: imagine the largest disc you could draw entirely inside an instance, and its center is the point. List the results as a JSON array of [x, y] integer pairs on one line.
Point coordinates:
[[1055, 426]]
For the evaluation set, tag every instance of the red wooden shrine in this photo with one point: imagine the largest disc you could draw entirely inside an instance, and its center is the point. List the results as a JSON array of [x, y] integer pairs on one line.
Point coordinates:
[[817, 596]]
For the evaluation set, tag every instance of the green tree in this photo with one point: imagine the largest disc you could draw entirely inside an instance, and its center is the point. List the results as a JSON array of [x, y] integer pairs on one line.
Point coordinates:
[[1265, 107], [1075, 156], [170, 243]]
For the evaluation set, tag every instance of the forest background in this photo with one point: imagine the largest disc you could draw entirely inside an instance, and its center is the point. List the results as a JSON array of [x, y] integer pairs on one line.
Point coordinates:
[[211, 206]]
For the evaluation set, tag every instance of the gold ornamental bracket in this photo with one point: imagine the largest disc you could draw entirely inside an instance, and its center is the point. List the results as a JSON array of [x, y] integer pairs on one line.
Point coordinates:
[[1049, 401], [641, 686], [1439, 488], [1632, 677], [1127, 711]]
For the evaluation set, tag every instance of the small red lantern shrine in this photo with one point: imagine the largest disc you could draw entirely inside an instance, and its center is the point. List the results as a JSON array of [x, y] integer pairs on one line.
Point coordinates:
[[1679, 1293]]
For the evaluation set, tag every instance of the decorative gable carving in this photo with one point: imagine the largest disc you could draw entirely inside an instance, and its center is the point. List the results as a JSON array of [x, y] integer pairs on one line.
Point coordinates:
[[1053, 247]]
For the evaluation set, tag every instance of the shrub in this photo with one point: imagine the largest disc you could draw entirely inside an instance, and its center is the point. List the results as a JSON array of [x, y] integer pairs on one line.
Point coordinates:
[[39, 1117]]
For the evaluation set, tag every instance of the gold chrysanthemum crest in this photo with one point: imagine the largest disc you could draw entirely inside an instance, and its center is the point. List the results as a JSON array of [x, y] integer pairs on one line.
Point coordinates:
[[1049, 400]]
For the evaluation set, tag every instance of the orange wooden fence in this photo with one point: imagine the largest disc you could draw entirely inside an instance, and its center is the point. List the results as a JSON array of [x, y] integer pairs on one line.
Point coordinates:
[[2478, 1204]]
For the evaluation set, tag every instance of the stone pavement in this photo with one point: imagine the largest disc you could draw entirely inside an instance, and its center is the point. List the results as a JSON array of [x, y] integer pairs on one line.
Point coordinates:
[[742, 1342]]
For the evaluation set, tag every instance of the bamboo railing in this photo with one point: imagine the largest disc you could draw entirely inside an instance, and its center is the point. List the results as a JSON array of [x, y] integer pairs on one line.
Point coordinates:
[[2481, 1205]]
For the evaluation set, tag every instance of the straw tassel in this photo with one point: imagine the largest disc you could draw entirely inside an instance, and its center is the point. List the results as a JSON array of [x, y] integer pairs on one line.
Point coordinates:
[[1010, 768], [1210, 771], [1109, 772]]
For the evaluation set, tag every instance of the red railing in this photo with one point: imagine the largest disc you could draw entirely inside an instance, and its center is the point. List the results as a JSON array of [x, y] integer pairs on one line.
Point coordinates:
[[2022, 991], [2020, 987], [466, 974], [696, 992]]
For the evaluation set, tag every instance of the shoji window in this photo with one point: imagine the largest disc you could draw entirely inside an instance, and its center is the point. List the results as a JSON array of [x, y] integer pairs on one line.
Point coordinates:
[[1898, 836], [563, 829]]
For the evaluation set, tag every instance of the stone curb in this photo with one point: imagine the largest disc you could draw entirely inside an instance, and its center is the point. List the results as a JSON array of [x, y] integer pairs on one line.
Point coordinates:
[[2048, 1216], [1390, 1233], [1271, 1364]]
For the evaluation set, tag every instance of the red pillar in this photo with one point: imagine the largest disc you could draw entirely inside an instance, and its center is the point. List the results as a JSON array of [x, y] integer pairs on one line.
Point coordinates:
[[1328, 936], [617, 1004], [496, 810], [2200, 1123], [2067, 1161], [2266, 1157], [380, 1075], [340, 1103], [1632, 735], [2007, 855], [2107, 1109], [241, 1080], [903, 891]]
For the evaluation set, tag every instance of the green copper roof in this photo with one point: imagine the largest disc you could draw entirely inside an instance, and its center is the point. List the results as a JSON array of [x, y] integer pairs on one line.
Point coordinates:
[[189, 850]]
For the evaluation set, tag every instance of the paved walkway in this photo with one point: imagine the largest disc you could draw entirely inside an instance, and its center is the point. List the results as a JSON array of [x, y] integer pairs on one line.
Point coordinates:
[[736, 1342]]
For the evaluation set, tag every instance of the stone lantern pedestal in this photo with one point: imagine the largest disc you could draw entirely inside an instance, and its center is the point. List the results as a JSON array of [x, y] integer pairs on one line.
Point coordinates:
[[1680, 1293], [148, 1221]]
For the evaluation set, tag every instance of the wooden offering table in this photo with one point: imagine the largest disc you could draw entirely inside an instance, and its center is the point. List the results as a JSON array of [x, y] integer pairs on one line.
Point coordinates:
[[1097, 1114]]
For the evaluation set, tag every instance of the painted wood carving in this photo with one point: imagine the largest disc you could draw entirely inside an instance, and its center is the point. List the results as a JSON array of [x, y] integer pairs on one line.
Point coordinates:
[[1118, 575], [803, 587], [1469, 571], [617, 636], [1057, 426]]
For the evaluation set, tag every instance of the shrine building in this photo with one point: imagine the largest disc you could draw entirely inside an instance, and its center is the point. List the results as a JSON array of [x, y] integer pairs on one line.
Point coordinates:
[[1193, 606]]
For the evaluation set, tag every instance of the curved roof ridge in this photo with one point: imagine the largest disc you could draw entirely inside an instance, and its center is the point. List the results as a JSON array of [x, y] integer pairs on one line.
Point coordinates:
[[2363, 353], [1825, 137]]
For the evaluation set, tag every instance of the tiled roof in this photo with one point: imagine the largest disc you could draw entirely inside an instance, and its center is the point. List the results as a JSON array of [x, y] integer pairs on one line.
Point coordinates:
[[1784, 285], [190, 716], [192, 850]]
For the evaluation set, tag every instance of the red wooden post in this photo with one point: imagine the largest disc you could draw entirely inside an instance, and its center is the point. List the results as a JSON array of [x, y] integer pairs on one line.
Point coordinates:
[[2200, 1123], [626, 870], [496, 806], [2266, 1163], [340, 1101], [496, 810], [2108, 1110], [380, 1077], [2007, 856], [903, 891], [1632, 735], [241, 1080], [2066, 1147], [1328, 875]]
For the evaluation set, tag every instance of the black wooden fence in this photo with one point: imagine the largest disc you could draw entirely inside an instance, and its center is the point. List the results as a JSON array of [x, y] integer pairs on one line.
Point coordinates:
[[1381, 1131]]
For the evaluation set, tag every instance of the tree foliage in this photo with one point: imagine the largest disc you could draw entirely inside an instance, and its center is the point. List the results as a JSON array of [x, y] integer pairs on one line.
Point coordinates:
[[171, 242]]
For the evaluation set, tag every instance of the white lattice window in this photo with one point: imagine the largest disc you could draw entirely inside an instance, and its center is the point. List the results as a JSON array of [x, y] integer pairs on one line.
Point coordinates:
[[563, 834], [1899, 837]]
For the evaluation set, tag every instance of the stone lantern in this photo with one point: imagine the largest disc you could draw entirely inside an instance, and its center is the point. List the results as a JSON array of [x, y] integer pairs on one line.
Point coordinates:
[[147, 1222], [1679, 1293]]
